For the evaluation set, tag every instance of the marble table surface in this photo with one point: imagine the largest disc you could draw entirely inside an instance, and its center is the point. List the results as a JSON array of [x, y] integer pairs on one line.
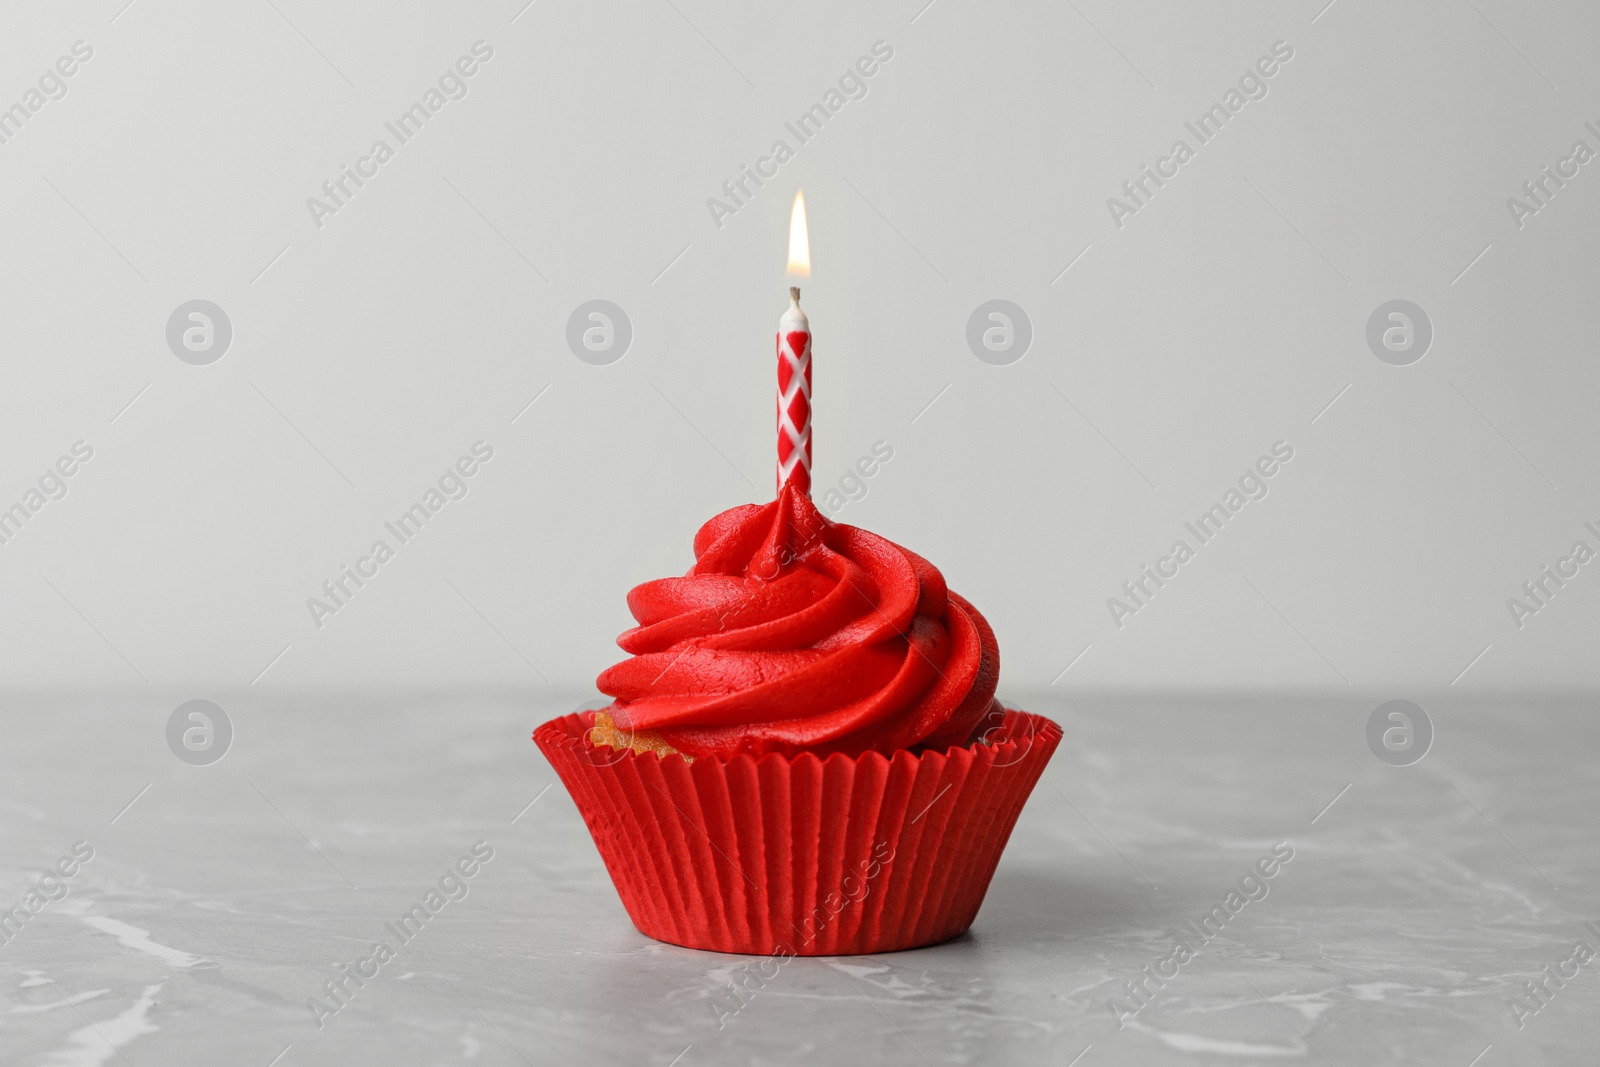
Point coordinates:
[[219, 899]]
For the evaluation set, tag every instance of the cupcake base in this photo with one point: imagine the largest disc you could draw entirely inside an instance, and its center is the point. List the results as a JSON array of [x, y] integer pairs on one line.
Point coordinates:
[[797, 856]]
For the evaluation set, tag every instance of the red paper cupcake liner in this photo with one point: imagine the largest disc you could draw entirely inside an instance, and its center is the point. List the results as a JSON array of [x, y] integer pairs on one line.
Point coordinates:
[[797, 855]]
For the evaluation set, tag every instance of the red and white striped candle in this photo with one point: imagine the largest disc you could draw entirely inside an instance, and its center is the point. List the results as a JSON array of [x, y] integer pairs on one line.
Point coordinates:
[[794, 363], [794, 396]]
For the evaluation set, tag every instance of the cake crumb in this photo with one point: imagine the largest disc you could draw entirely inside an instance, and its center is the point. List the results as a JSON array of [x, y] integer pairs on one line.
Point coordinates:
[[606, 732]]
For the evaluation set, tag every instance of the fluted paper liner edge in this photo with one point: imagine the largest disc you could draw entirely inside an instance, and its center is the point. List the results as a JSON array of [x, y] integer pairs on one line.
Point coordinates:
[[798, 855]]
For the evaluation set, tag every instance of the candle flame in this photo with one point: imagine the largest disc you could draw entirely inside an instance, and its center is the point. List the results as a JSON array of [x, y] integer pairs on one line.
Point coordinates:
[[799, 239]]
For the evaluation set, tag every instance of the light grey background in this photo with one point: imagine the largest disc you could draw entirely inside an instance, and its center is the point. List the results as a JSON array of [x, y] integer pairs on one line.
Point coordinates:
[[1167, 355], [369, 354]]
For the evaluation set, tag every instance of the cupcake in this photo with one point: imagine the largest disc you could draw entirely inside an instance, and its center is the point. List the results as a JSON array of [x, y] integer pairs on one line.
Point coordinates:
[[804, 754]]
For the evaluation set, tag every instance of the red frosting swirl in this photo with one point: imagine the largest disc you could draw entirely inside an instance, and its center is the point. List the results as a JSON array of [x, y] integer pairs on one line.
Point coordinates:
[[792, 633]]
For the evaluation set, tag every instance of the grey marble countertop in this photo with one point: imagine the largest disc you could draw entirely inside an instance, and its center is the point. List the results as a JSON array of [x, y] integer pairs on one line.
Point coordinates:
[[219, 899]]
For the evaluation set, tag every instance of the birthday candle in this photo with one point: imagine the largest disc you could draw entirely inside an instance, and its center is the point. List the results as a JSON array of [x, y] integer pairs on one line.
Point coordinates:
[[794, 365]]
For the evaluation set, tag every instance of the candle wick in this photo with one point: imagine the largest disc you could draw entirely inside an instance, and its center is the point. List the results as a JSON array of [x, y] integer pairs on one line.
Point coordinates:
[[794, 294]]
